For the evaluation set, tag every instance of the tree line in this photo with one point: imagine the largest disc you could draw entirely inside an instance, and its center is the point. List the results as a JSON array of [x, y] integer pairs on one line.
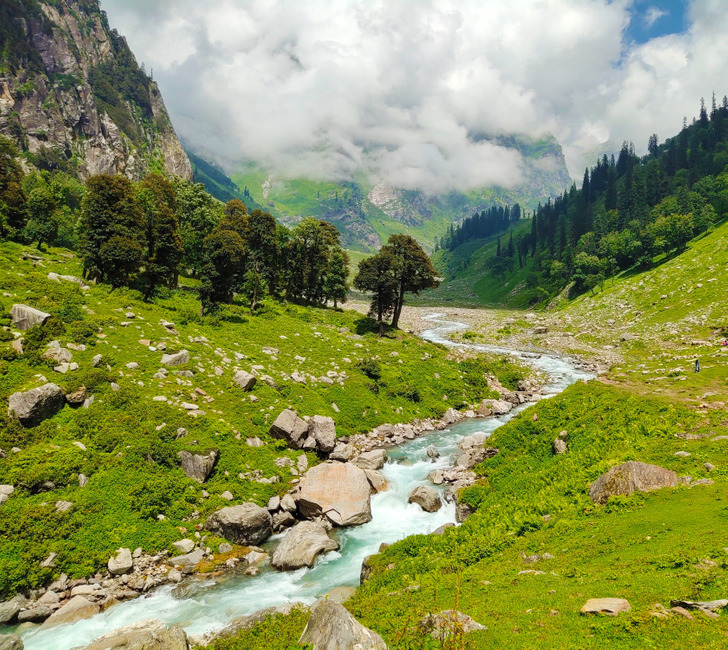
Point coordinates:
[[629, 210], [487, 223]]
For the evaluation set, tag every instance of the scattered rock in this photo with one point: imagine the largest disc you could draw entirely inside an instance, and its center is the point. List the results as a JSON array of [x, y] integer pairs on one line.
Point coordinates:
[[291, 428], [24, 317], [558, 446], [10, 642], [77, 397], [122, 563], [177, 359], [145, 635], [339, 491], [631, 477], [373, 459], [323, 430], [332, 627], [227, 495], [10, 609], [184, 545], [447, 623], [426, 497], [463, 511], [74, 610], [5, 492], [197, 466], [710, 605], [245, 380], [496, 406], [302, 545], [608, 606], [188, 561], [244, 524], [432, 452], [37, 404]]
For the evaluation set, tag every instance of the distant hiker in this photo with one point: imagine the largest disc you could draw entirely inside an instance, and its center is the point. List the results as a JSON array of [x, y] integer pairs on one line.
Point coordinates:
[[697, 365]]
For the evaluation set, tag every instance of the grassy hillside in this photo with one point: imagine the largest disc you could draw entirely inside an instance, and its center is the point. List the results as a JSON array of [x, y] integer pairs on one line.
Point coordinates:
[[127, 441]]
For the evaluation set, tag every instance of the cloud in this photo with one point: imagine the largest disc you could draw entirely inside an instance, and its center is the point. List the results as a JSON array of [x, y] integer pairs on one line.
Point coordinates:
[[404, 92], [652, 15]]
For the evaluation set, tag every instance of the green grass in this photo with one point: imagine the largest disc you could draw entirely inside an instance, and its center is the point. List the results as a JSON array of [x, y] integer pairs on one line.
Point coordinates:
[[130, 439]]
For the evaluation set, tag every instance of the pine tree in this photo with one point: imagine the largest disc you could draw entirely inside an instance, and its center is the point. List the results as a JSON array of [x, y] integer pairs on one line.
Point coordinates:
[[335, 285]]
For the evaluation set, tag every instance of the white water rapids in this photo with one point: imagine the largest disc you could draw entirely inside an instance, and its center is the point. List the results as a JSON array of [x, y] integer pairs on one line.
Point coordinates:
[[211, 605]]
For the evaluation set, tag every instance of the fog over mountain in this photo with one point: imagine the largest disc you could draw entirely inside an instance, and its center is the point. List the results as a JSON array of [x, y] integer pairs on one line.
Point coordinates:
[[404, 92]]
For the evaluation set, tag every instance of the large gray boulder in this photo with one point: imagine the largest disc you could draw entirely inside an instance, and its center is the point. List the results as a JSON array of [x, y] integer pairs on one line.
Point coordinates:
[[177, 359], [74, 610], [24, 317], [302, 545], [631, 477], [246, 524], [121, 563], [332, 627], [197, 466], [37, 404], [426, 497], [323, 430], [145, 635], [339, 491], [10, 609], [497, 406], [373, 459], [291, 428], [245, 380], [10, 642]]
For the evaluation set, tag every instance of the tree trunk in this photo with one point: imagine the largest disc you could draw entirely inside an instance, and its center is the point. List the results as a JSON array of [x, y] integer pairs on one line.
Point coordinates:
[[398, 308]]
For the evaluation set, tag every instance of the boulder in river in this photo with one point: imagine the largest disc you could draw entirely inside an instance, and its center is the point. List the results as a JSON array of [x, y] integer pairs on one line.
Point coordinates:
[[74, 610], [426, 497], [10, 642], [332, 627], [339, 491], [245, 524], [302, 545], [631, 477], [37, 404], [291, 428], [144, 635]]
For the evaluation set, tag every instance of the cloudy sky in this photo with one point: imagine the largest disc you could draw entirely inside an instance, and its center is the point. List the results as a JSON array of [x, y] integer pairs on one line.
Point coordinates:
[[404, 90]]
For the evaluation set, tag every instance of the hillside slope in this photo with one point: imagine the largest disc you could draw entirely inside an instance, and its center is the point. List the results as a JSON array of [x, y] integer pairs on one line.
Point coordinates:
[[73, 97]]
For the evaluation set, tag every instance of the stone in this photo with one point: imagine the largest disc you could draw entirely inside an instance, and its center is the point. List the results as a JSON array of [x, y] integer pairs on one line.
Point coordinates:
[[74, 610], [10, 642], [245, 524], [608, 606], [177, 359], [291, 428], [339, 491], [254, 442], [227, 495], [323, 430], [96, 361], [710, 605], [63, 506], [77, 397], [184, 545], [122, 563], [5, 492], [302, 545], [10, 609], [558, 446], [197, 466], [376, 480], [540, 329], [426, 497], [432, 452], [447, 623], [463, 511], [342, 452], [282, 520], [332, 627], [288, 503], [57, 354], [37, 404], [24, 317], [497, 406], [144, 635], [188, 560], [37, 613], [245, 380], [274, 503], [441, 529], [631, 477], [373, 459]]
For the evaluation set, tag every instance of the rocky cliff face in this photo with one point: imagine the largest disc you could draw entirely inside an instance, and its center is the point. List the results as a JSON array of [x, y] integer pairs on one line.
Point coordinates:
[[73, 97]]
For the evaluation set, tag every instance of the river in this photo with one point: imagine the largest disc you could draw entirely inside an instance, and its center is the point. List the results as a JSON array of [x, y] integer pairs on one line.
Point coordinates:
[[211, 605]]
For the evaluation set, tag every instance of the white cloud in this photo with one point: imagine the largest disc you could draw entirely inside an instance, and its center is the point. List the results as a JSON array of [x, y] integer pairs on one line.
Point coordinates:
[[402, 90], [652, 15]]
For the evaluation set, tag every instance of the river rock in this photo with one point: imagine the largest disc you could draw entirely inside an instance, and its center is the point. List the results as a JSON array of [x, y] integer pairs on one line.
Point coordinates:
[[426, 497], [302, 545], [177, 359], [323, 430], [339, 491], [373, 459], [10, 642], [246, 524], [332, 627], [184, 545], [343, 452], [376, 480], [122, 563], [475, 455], [37, 613], [497, 406], [37, 404], [432, 453], [447, 623], [74, 610], [245, 380], [10, 609], [197, 466], [631, 477], [24, 317], [188, 561], [291, 428], [608, 606], [144, 635]]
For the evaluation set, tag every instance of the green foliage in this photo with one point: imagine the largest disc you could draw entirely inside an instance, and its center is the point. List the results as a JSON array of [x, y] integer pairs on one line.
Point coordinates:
[[275, 632]]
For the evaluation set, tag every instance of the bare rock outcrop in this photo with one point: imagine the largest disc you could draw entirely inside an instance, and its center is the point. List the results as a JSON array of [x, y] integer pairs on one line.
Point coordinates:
[[631, 477]]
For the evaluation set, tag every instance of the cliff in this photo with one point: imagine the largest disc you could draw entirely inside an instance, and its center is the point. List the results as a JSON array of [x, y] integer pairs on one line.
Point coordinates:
[[73, 97]]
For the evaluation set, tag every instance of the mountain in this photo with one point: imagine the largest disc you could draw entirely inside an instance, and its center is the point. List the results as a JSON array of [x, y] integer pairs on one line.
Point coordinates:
[[218, 183], [367, 214], [73, 97]]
